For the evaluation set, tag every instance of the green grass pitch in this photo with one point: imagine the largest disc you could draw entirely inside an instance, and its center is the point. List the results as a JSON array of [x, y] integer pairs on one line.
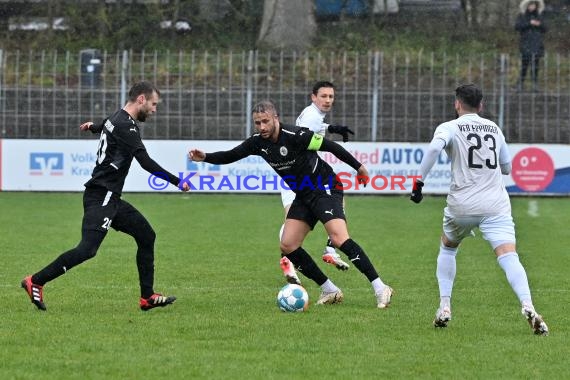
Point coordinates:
[[219, 255]]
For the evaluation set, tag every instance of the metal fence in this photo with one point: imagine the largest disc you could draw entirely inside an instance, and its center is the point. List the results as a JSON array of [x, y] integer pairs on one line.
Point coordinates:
[[383, 96]]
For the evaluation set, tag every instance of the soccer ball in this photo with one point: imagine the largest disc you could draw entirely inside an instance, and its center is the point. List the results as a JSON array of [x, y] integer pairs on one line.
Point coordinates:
[[293, 298]]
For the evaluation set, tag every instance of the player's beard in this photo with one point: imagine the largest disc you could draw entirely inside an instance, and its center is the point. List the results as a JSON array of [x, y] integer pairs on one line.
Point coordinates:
[[269, 133], [142, 115]]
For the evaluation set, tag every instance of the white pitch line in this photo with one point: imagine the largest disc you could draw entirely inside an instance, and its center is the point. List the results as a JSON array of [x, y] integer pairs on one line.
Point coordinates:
[[533, 208]]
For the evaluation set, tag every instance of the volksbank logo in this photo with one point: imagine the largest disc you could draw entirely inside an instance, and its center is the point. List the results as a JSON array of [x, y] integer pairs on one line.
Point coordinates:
[[43, 163]]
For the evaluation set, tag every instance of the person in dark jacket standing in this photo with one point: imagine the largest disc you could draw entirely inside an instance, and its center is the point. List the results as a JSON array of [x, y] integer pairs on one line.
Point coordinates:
[[531, 27]]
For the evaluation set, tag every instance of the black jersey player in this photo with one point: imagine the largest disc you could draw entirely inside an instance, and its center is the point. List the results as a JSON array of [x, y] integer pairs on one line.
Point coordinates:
[[120, 142], [291, 152]]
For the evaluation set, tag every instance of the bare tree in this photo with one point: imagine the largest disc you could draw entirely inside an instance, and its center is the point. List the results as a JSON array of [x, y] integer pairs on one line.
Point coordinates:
[[287, 24]]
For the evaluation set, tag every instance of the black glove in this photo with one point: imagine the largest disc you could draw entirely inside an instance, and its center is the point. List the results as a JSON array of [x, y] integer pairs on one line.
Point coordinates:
[[341, 130], [417, 195]]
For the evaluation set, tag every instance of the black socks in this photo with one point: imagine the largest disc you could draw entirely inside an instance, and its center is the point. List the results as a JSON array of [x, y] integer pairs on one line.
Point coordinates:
[[306, 265], [360, 260]]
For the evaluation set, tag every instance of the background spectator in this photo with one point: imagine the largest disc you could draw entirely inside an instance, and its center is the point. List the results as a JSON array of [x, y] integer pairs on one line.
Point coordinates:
[[531, 27]]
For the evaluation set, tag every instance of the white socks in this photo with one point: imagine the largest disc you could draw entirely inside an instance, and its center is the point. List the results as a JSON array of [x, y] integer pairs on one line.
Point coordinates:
[[445, 302], [509, 262], [378, 285], [329, 287], [446, 268], [329, 250], [516, 276]]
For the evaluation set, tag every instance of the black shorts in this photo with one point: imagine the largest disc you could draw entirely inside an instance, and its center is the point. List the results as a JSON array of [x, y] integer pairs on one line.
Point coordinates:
[[320, 206], [104, 209], [99, 209]]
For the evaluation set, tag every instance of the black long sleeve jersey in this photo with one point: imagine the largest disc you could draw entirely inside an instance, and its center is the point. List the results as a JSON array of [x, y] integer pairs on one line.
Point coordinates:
[[293, 157], [119, 143]]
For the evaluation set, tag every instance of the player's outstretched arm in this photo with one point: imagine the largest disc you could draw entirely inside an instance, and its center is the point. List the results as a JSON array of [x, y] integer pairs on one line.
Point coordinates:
[[90, 126], [154, 168], [196, 155], [430, 157], [416, 196], [340, 130], [85, 126], [222, 157], [341, 153], [362, 175]]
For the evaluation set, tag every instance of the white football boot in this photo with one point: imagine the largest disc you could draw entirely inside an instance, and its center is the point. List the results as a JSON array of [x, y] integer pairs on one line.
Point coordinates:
[[534, 320], [442, 317], [329, 298], [384, 297]]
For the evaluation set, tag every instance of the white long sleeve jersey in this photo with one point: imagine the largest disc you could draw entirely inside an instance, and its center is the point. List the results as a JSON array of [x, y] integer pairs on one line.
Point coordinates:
[[313, 119], [477, 148]]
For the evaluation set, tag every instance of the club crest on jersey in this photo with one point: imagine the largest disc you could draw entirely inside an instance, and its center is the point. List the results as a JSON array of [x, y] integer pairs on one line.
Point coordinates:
[[283, 150]]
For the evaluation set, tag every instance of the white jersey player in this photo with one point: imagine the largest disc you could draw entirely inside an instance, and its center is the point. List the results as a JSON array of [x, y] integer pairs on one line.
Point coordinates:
[[477, 198], [476, 147], [312, 117]]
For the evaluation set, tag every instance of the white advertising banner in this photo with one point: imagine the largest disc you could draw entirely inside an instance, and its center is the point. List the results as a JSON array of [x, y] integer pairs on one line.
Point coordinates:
[[65, 165]]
